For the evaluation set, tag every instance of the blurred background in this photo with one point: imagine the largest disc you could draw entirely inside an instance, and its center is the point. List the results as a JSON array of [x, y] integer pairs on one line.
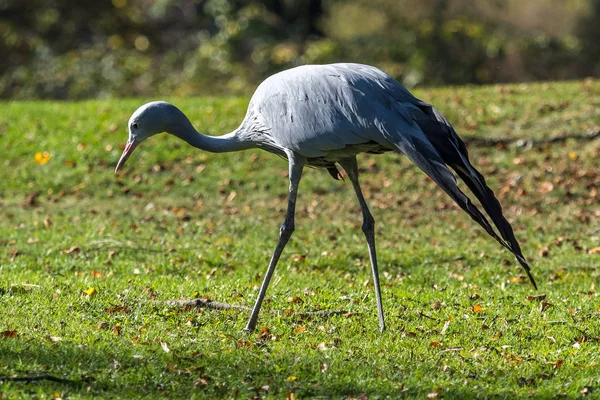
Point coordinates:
[[67, 49]]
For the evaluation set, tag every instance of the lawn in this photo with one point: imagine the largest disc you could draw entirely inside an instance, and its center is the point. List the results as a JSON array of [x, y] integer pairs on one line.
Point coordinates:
[[90, 260]]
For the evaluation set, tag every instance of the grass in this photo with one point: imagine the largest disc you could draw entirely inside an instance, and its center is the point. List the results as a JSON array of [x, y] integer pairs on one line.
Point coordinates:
[[180, 223]]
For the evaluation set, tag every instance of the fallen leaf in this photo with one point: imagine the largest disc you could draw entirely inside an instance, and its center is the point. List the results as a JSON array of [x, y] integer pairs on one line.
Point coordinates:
[[42, 157], [585, 391], [546, 187], [537, 297], [31, 199], [436, 306], [299, 329], [90, 292], [72, 249], [324, 367], [544, 252], [545, 305], [47, 222], [243, 343], [165, 347], [445, 327], [291, 378], [477, 308], [558, 364], [595, 250], [436, 344], [264, 333], [9, 334], [96, 274], [201, 381], [117, 329], [322, 346], [432, 395], [54, 339]]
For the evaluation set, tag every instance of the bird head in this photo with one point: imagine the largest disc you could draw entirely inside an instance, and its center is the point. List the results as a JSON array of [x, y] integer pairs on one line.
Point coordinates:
[[149, 120]]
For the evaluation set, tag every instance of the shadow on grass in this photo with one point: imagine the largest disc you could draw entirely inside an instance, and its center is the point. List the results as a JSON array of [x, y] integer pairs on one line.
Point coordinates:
[[104, 371]]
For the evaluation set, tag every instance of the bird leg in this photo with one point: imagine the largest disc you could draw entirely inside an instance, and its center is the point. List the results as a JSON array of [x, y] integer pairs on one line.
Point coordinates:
[[296, 164], [368, 227]]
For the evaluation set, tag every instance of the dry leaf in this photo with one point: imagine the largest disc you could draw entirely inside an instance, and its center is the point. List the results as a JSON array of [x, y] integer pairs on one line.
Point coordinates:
[[72, 249], [244, 343], [546, 187], [322, 346], [595, 250], [436, 306], [324, 367], [545, 305], [299, 329], [264, 333], [165, 347], [558, 364], [537, 297], [432, 395], [445, 327], [477, 308], [54, 339], [9, 334], [42, 157]]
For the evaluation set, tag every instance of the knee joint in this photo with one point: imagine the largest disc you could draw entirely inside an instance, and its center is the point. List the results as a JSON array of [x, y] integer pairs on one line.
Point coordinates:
[[368, 224], [286, 229]]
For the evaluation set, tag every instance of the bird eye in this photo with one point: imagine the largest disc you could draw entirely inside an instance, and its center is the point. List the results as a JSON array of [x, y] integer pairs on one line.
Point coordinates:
[[134, 125]]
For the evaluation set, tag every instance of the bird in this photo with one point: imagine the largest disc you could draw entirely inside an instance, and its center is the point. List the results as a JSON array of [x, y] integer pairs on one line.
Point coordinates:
[[323, 116]]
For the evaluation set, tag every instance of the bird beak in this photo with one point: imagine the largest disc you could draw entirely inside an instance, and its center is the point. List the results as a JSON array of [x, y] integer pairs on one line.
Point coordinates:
[[129, 147]]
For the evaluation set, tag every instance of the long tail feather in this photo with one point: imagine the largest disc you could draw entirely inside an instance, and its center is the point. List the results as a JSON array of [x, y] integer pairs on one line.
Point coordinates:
[[431, 143]]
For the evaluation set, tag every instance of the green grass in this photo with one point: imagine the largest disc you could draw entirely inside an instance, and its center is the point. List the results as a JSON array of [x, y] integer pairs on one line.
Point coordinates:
[[180, 223]]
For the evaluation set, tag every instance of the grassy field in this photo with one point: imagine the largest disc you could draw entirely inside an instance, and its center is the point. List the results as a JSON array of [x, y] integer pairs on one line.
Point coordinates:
[[88, 260]]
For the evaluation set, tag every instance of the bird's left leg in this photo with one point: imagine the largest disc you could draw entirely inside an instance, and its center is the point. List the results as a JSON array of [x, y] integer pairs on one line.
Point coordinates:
[[296, 164], [368, 227]]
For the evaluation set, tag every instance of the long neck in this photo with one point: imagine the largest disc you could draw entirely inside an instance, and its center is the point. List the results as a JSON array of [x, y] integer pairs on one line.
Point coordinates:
[[215, 144]]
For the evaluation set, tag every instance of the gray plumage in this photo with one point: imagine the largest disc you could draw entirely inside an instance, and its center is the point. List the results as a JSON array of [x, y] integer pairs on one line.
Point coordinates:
[[323, 116]]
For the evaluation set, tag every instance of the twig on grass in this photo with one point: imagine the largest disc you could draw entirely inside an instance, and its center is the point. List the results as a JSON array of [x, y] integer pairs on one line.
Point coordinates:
[[36, 378], [215, 305]]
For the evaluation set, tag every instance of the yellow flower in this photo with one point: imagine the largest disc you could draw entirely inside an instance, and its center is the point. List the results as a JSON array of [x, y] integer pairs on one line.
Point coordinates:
[[42, 157]]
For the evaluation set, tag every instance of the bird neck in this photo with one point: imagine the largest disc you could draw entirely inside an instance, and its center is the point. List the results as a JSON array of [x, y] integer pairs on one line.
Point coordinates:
[[215, 144]]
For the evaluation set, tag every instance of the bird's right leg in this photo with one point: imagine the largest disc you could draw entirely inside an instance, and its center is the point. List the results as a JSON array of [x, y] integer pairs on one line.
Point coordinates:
[[296, 164], [368, 227]]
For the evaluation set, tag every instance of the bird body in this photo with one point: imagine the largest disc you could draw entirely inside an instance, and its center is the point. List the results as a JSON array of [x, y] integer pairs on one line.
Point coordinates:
[[323, 116]]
